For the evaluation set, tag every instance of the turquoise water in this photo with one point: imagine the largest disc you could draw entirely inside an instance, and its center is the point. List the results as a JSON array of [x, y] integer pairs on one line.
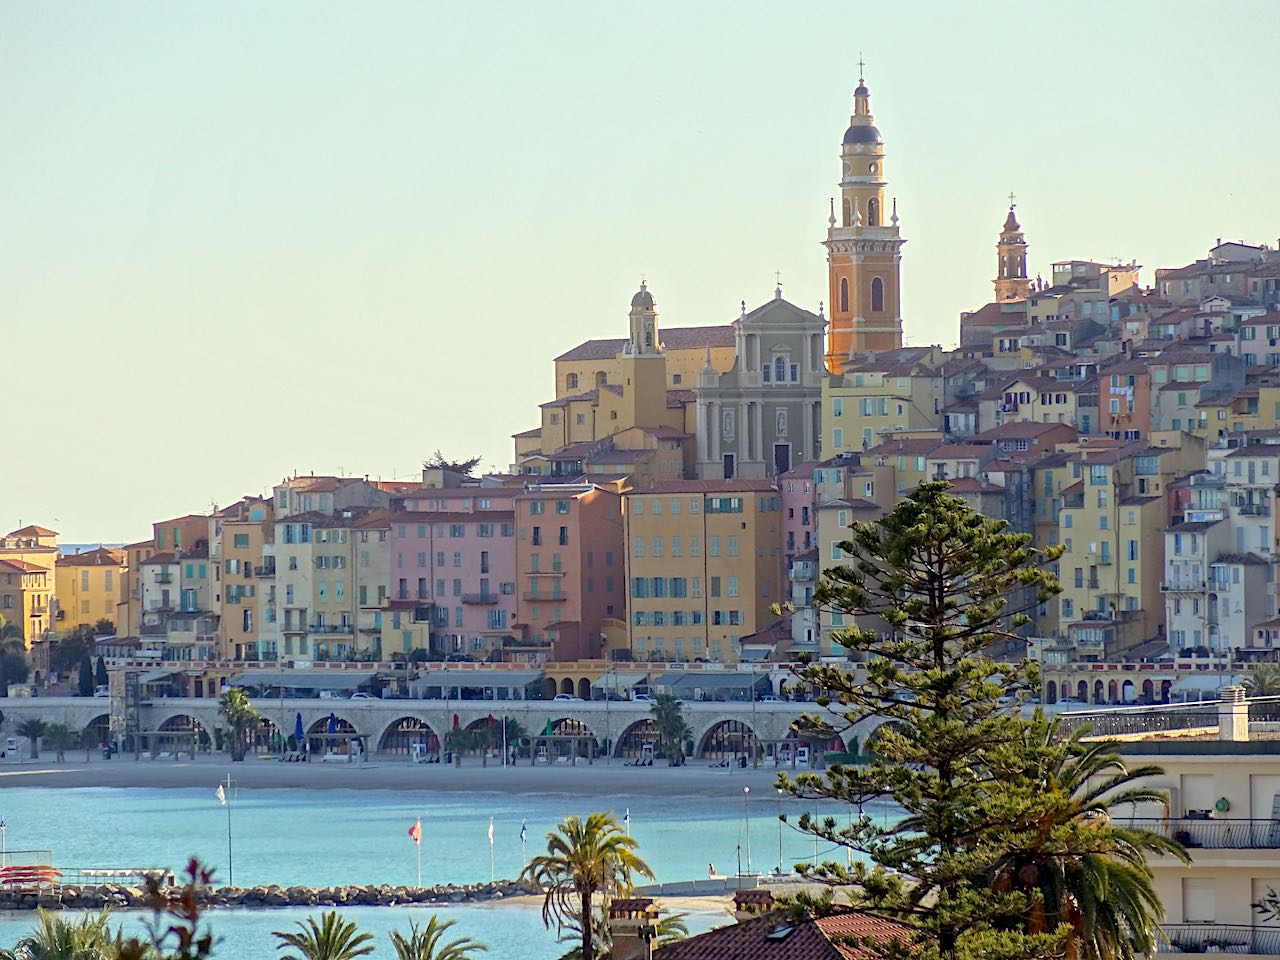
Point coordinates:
[[512, 932], [324, 837]]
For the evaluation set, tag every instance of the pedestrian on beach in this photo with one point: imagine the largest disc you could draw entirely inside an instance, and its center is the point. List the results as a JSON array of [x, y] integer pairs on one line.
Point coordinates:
[[711, 871]]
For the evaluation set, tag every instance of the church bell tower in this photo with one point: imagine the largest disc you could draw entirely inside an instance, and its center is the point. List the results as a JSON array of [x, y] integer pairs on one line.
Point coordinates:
[[864, 248], [1011, 260]]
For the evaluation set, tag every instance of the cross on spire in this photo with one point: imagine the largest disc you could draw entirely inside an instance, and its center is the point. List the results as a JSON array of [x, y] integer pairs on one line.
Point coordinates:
[[1010, 199], [861, 65], [778, 275]]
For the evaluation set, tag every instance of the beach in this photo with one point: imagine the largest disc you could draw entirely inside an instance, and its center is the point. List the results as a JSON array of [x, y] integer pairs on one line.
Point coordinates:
[[609, 780]]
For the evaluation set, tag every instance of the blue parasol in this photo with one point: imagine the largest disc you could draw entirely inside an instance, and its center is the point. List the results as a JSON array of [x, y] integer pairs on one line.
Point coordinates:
[[333, 728], [298, 733]]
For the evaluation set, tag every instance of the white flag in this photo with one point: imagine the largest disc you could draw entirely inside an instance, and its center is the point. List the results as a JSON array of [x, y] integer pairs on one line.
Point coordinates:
[[221, 795], [491, 831]]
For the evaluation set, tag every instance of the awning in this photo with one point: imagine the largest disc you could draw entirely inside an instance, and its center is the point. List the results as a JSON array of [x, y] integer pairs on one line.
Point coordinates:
[[302, 680], [476, 678], [679, 682], [1205, 682], [618, 682], [153, 676]]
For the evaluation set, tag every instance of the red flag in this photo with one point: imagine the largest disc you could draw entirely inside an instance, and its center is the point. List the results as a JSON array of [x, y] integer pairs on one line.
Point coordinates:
[[415, 832]]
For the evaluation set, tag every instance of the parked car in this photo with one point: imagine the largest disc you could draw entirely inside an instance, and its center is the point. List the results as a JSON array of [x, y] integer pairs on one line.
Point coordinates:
[[770, 698], [363, 696], [642, 698], [566, 698], [102, 690]]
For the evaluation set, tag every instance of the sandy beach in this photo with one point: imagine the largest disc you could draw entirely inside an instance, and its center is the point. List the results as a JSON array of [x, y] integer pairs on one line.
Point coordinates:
[[597, 779]]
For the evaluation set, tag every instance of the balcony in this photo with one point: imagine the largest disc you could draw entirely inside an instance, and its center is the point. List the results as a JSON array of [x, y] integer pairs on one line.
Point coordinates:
[[542, 598], [480, 599], [1183, 586], [1253, 510], [265, 569], [152, 630], [331, 628], [163, 578], [1218, 938]]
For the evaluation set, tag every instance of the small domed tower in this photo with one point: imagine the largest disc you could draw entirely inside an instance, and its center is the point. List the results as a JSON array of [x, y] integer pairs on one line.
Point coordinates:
[[644, 323], [1011, 261]]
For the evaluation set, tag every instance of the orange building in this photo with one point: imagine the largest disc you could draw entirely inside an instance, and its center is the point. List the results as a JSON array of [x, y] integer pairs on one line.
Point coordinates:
[[864, 249]]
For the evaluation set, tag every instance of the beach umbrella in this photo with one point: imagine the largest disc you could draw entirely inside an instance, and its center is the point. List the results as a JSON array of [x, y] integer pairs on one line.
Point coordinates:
[[298, 732], [333, 728]]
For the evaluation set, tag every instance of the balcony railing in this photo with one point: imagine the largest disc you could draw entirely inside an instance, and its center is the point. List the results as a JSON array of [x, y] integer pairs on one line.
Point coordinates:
[[1131, 720], [265, 569], [330, 628], [1253, 510], [1217, 833], [1183, 586], [164, 578], [543, 598], [480, 599], [1218, 938]]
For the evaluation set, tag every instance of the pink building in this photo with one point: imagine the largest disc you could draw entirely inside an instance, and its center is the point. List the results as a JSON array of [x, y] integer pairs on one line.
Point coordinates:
[[461, 562], [799, 510], [571, 573]]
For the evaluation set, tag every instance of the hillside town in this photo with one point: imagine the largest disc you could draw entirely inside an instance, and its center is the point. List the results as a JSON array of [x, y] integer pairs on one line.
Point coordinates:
[[683, 489]]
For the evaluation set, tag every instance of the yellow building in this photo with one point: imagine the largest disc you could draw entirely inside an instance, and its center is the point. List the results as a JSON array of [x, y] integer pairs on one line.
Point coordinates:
[[704, 565], [1111, 522], [628, 404], [32, 552], [128, 616], [87, 587], [243, 551], [873, 400]]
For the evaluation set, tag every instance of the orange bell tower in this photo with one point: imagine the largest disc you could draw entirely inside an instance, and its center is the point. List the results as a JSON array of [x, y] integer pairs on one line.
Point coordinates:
[[864, 248]]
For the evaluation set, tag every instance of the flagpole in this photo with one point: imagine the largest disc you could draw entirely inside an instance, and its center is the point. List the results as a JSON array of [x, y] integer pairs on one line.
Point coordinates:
[[418, 844], [524, 856], [230, 871], [491, 849]]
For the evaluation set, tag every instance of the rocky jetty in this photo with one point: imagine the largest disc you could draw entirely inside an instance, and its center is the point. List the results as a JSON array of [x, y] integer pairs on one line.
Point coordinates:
[[119, 897]]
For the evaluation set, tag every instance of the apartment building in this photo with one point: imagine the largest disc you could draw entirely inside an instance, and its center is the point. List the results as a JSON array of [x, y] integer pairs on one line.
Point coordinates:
[[704, 566], [31, 554], [243, 552], [87, 587], [570, 570], [873, 400]]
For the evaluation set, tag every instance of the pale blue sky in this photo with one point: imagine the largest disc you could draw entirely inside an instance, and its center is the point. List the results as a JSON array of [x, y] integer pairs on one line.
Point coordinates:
[[241, 239]]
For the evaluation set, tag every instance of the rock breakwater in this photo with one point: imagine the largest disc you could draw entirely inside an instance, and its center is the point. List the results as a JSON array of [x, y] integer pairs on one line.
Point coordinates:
[[118, 897]]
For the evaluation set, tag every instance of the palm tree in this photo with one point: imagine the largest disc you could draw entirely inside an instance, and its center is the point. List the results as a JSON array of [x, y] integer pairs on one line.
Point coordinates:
[[55, 938], [425, 943], [1092, 873], [33, 729], [668, 717], [1263, 681], [331, 939], [458, 740], [59, 736], [241, 717], [584, 858]]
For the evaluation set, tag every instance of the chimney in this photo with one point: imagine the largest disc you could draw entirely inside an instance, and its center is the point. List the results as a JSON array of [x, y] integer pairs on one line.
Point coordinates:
[[751, 903], [1233, 715], [633, 928]]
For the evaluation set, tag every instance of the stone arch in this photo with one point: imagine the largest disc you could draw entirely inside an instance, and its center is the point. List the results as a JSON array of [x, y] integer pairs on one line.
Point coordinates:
[[1113, 691], [101, 727], [1166, 687], [1051, 692], [320, 725], [548, 688], [1099, 692], [265, 736], [1082, 691], [847, 211], [726, 738], [632, 740], [397, 736], [187, 724], [877, 295], [1126, 692], [873, 212], [1148, 691], [566, 686], [584, 688]]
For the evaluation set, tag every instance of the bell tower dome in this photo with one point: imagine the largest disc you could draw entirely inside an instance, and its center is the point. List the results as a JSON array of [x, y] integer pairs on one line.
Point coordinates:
[[864, 248]]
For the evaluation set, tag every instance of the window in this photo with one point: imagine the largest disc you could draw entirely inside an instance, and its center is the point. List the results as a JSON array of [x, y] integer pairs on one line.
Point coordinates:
[[733, 546], [837, 406], [638, 546], [733, 586], [877, 295], [571, 381], [713, 546], [844, 294]]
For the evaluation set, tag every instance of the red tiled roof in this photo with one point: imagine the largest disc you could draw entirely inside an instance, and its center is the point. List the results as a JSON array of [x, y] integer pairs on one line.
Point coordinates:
[[1018, 430], [21, 566], [707, 486], [778, 936], [31, 530], [101, 557], [672, 338], [160, 558]]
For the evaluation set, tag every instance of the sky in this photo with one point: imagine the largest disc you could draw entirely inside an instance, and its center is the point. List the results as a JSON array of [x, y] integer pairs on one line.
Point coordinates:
[[241, 240]]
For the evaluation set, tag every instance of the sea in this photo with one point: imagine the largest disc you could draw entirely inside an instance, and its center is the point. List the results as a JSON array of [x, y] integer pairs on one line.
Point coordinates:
[[327, 837]]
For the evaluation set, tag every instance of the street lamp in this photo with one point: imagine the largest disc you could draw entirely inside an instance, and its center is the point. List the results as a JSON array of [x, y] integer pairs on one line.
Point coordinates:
[[780, 795], [746, 813]]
